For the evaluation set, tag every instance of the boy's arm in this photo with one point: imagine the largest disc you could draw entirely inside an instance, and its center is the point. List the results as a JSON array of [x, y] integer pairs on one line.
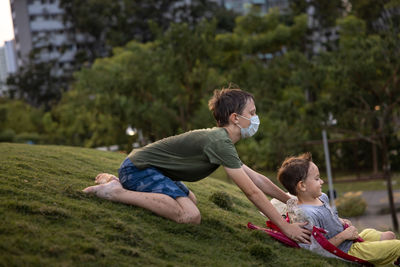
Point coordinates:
[[266, 185], [257, 197], [349, 233]]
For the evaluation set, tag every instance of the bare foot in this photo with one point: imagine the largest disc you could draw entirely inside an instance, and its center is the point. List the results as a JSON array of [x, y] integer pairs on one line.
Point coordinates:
[[106, 191], [388, 235], [103, 178]]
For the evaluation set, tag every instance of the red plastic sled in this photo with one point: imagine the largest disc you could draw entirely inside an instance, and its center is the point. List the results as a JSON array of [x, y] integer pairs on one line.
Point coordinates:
[[318, 234]]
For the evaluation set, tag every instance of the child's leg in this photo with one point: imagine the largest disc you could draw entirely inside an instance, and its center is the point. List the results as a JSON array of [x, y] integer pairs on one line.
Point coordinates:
[[103, 178], [181, 209], [377, 252], [375, 235], [149, 189]]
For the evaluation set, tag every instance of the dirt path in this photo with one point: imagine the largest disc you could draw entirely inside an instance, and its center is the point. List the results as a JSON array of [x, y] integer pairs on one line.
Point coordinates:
[[376, 201]]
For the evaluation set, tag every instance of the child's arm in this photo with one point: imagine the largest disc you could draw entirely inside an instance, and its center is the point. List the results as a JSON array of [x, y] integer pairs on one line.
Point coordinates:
[[258, 198], [265, 185], [345, 221], [349, 233]]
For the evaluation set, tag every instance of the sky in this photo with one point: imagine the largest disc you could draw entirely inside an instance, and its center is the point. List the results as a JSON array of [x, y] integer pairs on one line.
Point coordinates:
[[6, 26]]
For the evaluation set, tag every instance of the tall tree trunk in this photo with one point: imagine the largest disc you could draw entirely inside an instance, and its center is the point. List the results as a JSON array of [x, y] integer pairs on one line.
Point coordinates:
[[374, 158], [386, 170]]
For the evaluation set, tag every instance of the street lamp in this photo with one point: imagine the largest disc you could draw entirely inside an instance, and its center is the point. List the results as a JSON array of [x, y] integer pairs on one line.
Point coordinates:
[[329, 122]]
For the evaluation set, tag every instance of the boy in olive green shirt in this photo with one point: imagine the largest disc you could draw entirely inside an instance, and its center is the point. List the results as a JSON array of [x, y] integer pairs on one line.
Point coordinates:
[[150, 177]]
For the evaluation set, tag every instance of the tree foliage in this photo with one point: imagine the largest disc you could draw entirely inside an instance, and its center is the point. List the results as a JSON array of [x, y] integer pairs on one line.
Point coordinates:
[[19, 121], [113, 23], [376, 14], [36, 84], [366, 89], [326, 12], [159, 87]]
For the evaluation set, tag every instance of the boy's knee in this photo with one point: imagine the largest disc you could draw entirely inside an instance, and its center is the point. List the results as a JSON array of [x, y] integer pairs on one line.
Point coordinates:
[[190, 217], [192, 197], [196, 218], [388, 235]]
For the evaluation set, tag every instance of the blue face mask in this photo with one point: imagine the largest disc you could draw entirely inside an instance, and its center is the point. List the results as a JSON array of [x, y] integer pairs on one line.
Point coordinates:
[[252, 129]]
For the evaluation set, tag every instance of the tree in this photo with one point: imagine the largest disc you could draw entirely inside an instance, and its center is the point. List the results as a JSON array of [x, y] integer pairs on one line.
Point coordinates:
[[159, 87], [376, 13], [113, 23], [37, 85], [365, 95], [326, 12], [19, 121]]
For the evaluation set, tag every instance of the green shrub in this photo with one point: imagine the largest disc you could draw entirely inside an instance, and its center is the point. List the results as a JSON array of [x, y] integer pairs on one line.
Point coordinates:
[[27, 137], [19, 122], [7, 135], [222, 200], [351, 204]]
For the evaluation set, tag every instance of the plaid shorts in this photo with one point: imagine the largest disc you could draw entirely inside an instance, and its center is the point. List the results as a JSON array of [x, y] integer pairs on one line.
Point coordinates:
[[149, 180]]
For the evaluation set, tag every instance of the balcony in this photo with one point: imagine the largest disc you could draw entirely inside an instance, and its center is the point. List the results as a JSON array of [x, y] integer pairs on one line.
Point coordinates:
[[46, 25], [39, 9]]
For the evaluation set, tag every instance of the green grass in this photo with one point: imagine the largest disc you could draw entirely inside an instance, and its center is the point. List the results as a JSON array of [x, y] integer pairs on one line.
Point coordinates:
[[45, 219]]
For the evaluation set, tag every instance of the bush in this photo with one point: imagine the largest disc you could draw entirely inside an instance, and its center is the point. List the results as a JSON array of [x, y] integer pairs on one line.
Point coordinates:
[[19, 122], [7, 135], [222, 200], [27, 138], [351, 204]]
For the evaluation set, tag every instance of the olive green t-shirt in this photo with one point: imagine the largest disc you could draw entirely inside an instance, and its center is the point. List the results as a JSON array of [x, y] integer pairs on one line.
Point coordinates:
[[190, 156]]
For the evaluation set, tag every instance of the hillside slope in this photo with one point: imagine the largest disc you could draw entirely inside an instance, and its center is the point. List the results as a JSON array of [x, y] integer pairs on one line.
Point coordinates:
[[45, 219]]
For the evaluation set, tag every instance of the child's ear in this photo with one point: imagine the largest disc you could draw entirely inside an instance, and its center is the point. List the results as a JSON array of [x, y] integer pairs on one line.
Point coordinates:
[[301, 187]]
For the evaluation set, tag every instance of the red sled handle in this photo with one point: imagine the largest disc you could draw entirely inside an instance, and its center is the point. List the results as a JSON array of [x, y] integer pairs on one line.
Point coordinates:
[[318, 234], [278, 235]]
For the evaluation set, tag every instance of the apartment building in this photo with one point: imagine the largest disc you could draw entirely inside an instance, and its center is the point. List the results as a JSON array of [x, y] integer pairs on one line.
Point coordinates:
[[39, 28], [8, 64], [3, 70], [244, 6]]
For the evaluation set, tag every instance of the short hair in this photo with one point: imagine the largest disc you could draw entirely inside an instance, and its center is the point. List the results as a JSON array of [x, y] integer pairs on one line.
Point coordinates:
[[226, 101], [294, 170]]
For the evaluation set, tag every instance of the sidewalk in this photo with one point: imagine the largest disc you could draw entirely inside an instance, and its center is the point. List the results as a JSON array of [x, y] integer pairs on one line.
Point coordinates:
[[376, 201]]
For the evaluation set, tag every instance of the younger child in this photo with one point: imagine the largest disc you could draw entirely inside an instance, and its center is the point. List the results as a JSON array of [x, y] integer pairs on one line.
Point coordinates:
[[300, 176]]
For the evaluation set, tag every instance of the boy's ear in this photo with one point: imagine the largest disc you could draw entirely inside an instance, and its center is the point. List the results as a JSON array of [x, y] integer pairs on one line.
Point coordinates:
[[233, 118]]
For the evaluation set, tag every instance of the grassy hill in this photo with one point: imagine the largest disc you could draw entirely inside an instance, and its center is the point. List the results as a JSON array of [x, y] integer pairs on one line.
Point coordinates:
[[46, 220]]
